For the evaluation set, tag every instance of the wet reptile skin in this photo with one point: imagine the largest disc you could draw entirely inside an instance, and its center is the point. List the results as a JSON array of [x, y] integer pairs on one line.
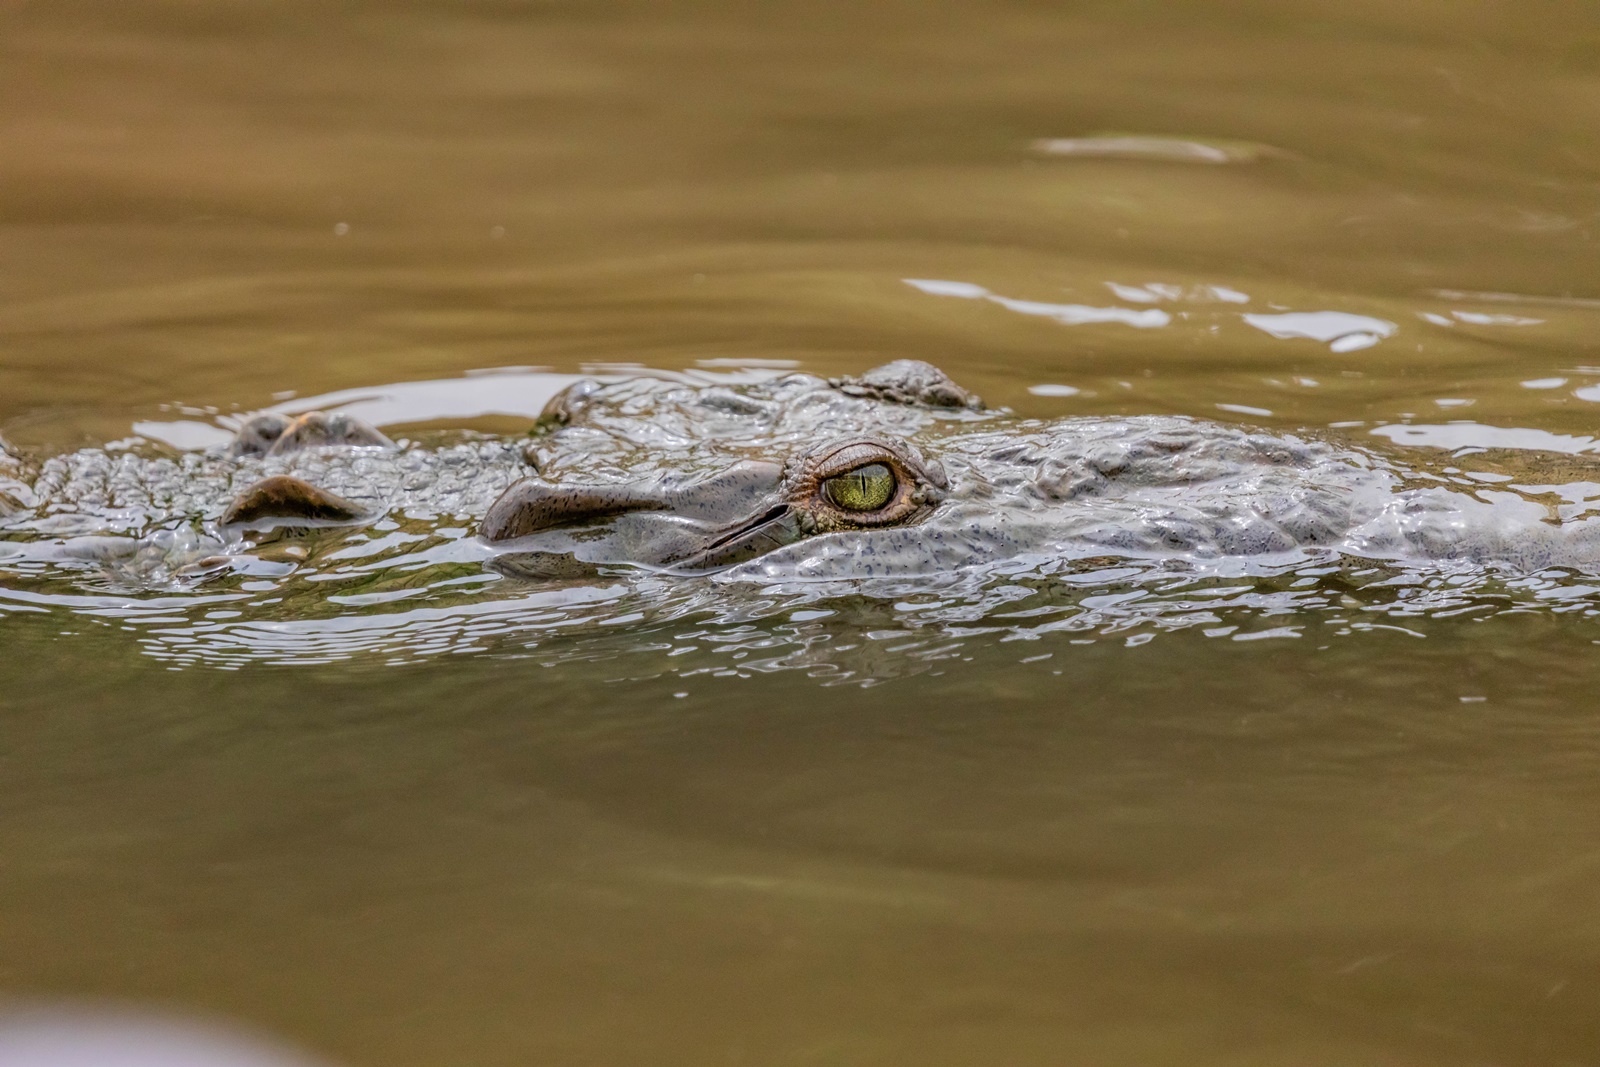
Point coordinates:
[[1142, 486]]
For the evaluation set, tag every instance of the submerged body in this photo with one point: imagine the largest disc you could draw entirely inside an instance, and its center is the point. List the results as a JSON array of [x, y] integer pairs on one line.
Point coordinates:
[[897, 473]]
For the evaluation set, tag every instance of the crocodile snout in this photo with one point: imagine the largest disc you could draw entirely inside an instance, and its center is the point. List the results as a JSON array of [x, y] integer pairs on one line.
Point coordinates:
[[660, 521], [743, 511]]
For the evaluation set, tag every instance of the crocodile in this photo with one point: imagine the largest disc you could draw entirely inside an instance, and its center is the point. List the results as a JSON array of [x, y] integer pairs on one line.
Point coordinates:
[[897, 472]]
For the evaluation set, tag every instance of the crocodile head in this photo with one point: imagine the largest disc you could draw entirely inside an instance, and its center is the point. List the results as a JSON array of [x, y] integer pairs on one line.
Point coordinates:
[[897, 473], [711, 511], [731, 515]]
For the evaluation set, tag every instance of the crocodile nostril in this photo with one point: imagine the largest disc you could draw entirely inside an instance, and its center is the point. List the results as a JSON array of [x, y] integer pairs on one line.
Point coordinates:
[[533, 505], [272, 434]]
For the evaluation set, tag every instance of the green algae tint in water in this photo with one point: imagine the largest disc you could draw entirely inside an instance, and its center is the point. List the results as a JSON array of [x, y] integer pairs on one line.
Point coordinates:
[[402, 814]]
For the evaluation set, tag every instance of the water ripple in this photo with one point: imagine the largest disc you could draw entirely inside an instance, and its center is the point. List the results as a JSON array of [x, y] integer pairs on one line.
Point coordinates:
[[856, 632]]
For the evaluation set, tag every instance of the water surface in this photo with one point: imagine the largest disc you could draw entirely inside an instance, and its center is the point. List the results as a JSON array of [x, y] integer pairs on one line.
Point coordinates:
[[1116, 815]]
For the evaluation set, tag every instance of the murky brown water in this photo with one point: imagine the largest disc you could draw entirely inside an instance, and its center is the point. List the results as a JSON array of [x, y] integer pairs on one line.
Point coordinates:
[[1369, 837]]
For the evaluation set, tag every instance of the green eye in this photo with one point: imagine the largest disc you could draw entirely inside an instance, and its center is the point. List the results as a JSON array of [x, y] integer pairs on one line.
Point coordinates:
[[863, 489]]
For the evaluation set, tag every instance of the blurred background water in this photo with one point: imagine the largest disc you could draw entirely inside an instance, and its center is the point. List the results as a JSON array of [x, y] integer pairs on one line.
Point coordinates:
[[1332, 818]]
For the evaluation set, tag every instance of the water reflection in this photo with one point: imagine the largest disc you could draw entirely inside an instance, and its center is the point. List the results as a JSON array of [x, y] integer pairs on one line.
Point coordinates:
[[1456, 436], [1340, 330], [518, 393], [1200, 308], [1154, 292], [1157, 149], [1066, 314], [857, 632], [101, 1035]]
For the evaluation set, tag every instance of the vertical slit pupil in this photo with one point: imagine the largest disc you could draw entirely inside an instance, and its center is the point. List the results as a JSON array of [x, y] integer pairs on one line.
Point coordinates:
[[866, 488]]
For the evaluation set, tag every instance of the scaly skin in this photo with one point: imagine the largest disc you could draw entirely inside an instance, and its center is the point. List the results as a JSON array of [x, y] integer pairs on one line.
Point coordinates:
[[697, 478]]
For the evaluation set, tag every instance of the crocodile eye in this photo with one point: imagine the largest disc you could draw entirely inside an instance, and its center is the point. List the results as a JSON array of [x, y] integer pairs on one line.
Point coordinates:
[[866, 488]]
